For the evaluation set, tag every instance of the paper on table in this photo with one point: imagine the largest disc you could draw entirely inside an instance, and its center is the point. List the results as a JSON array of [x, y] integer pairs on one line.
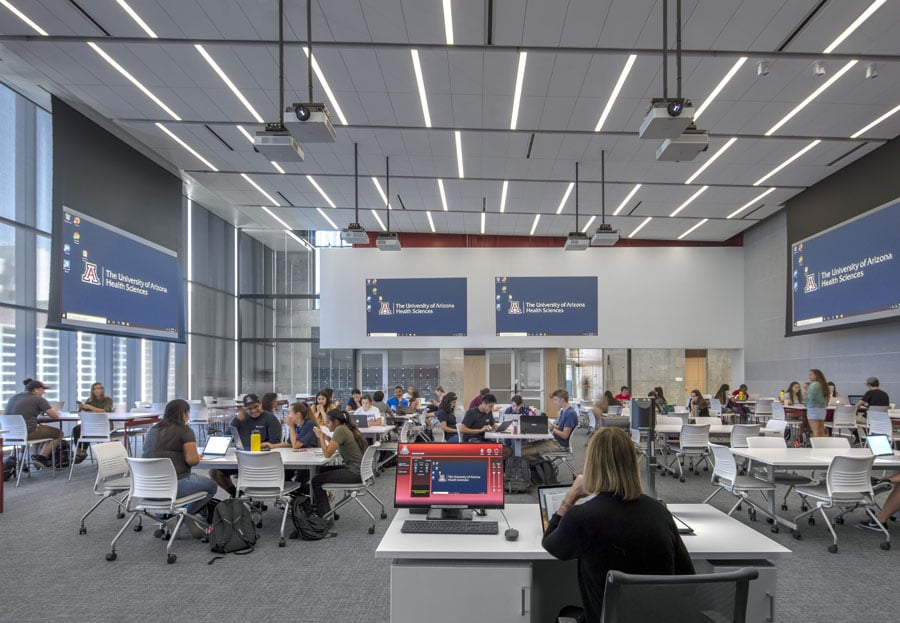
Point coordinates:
[[326, 430]]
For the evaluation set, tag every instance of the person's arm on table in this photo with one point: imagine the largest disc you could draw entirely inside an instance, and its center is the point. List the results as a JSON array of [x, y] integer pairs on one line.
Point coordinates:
[[329, 447], [274, 431], [564, 539]]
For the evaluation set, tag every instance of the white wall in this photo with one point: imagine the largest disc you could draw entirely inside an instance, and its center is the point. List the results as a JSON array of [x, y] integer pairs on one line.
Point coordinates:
[[649, 297]]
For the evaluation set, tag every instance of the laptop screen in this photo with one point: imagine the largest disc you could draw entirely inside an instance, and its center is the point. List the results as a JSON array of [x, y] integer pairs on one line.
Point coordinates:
[[217, 445], [880, 445], [853, 399]]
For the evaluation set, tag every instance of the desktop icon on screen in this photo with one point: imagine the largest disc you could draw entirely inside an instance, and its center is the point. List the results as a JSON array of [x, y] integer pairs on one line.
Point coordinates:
[[67, 265], [67, 248]]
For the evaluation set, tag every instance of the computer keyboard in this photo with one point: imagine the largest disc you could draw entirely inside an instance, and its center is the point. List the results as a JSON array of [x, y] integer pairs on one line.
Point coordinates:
[[448, 526]]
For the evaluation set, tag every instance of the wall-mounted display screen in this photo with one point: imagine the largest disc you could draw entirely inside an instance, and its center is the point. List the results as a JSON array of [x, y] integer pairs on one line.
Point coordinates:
[[847, 274], [416, 307], [527, 306], [112, 281]]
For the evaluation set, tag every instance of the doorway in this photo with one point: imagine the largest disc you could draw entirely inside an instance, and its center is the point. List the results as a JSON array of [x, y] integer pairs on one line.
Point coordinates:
[[695, 371]]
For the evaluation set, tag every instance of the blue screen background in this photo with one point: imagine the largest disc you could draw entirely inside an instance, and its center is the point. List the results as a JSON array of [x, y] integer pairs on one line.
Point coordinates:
[[386, 298], [513, 294]]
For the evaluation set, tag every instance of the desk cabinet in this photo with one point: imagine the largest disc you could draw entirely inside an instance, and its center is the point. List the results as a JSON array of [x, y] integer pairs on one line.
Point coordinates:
[[420, 592]]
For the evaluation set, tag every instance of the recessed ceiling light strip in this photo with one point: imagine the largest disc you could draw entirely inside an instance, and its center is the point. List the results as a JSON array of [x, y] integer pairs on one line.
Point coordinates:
[[689, 201], [420, 81], [856, 24], [321, 192], [712, 159], [588, 224], [187, 147], [692, 229], [33, 25], [724, 81], [503, 197], [517, 96], [325, 87], [562, 204], [443, 194], [799, 154], [430, 221], [109, 59], [259, 188], [537, 217], [750, 203], [378, 218], [381, 192], [325, 216], [137, 19], [865, 129], [277, 167], [459, 157], [221, 73], [276, 217], [246, 134], [448, 22], [627, 198], [811, 97], [615, 92], [640, 227]]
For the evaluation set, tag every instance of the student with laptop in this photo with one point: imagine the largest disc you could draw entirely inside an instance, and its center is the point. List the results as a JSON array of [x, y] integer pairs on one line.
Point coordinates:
[[369, 411], [621, 528], [517, 407], [561, 431], [479, 420], [173, 438], [250, 419], [397, 401]]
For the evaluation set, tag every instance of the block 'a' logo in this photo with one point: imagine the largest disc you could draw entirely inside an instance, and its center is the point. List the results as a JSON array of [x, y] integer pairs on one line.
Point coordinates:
[[385, 309], [90, 274], [810, 285], [515, 307]]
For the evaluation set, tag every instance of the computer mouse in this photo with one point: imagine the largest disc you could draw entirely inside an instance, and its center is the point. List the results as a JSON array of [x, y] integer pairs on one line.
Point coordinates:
[[511, 534]]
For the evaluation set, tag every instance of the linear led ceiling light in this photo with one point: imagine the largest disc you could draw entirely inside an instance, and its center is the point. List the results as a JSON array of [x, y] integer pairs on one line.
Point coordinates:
[[246, 134], [865, 129], [378, 218], [276, 217], [259, 188], [325, 87], [430, 221], [750, 203], [325, 216], [109, 59], [715, 92], [627, 198], [615, 92], [448, 22], [712, 159], [503, 196], [689, 201], [517, 96], [537, 217], [811, 97], [562, 204], [137, 19], [381, 192], [34, 25], [856, 24], [321, 192], [799, 154], [697, 226], [588, 224], [459, 158], [187, 147], [277, 167], [443, 194], [221, 73], [640, 227], [420, 81]]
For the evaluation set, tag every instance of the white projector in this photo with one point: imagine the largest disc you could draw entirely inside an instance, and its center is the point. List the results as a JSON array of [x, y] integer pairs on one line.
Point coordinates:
[[388, 241], [310, 123], [278, 146], [685, 147], [577, 241], [605, 236], [355, 234], [667, 118]]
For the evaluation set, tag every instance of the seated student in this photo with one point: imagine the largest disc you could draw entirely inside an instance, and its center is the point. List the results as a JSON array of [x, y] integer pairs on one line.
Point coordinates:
[[698, 406], [447, 417], [561, 431], [480, 397], [724, 397], [623, 396], [793, 395], [874, 397], [269, 402], [661, 403], [98, 402], [173, 439], [301, 423], [321, 407], [478, 420], [373, 415], [518, 407], [346, 438], [379, 403], [834, 392], [439, 396], [621, 528], [30, 404], [353, 403], [250, 419], [397, 400], [890, 507], [407, 395], [414, 402]]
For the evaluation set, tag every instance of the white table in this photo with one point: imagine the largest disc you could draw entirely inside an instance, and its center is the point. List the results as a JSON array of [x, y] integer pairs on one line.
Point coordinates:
[[805, 459], [129, 421], [519, 581], [311, 459], [517, 439]]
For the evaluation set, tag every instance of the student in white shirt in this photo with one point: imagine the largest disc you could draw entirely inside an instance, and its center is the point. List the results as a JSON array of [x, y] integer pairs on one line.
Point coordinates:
[[372, 413]]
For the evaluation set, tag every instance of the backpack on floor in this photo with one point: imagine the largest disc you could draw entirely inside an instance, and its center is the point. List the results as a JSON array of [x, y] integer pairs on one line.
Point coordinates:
[[544, 473], [62, 454], [233, 528], [516, 475], [9, 468], [307, 523]]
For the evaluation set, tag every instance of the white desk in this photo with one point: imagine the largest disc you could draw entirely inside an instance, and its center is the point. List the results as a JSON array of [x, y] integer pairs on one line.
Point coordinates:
[[517, 439], [803, 458], [373, 431], [129, 421], [310, 459], [519, 581]]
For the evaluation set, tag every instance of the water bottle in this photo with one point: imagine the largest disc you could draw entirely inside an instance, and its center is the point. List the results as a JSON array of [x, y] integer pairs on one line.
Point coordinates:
[[255, 442]]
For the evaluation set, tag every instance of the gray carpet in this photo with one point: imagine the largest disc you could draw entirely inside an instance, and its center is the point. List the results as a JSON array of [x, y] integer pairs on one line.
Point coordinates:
[[50, 573]]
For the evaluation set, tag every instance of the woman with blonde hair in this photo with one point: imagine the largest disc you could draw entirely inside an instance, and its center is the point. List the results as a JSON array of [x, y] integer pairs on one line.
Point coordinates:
[[618, 528]]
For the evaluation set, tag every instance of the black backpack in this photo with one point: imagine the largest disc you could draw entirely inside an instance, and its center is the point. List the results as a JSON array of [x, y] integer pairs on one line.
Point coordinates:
[[307, 523], [516, 475], [233, 528], [62, 454], [9, 468], [544, 473]]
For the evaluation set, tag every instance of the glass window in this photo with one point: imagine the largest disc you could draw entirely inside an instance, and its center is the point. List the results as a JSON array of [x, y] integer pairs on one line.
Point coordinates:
[[48, 357], [120, 371], [7, 263], [9, 382], [43, 271], [86, 364], [7, 153], [44, 169]]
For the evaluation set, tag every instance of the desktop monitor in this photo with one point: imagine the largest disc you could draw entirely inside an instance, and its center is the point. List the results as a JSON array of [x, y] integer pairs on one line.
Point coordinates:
[[449, 476]]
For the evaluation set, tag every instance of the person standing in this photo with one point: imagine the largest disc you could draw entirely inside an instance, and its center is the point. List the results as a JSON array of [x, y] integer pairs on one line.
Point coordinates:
[[30, 404], [816, 402]]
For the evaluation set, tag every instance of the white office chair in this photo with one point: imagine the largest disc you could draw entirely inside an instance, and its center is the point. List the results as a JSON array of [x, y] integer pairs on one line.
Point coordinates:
[[726, 476], [19, 439], [261, 477], [154, 490], [790, 479], [94, 430], [775, 428], [844, 420], [438, 433], [693, 444], [561, 457], [829, 442], [113, 478], [848, 484], [763, 409], [199, 419], [880, 424], [740, 433], [354, 491]]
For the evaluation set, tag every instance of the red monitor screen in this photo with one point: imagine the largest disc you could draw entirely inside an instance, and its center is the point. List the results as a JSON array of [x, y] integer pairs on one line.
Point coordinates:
[[449, 474]]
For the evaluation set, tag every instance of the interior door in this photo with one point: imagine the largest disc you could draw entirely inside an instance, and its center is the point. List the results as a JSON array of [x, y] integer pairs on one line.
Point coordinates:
[[694, 374]]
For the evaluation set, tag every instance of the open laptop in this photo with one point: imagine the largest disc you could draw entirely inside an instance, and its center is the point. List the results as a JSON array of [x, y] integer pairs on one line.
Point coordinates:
[[238, 442], [362, 421], [535, 424], [880, 445], [217, 445], [852, 399], [503, 426]]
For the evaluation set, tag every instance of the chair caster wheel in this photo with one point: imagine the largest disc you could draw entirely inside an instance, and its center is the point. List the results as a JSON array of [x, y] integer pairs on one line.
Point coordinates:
[[259, 524], [705, 469], [204, 539], [681, 479], [784, 507], [775, 529], [796, 534], [336, 516], [832, 549], [886, 545], [166, 536], [281, 542], [839, 520], [158, 533], [138, 528], [171, 558], [120, 515], [752, 516], [804, 508], [383, 515], [82, 530], [739, 507], [111, 556], [770, 520], [372, 530], [812, 521]]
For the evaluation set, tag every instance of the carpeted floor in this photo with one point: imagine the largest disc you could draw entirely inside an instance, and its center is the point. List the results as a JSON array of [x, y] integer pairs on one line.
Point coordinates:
[[51, 573]]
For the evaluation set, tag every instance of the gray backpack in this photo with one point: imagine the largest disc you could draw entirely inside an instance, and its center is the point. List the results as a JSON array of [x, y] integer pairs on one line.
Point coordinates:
[[516, 475], [233, 528]]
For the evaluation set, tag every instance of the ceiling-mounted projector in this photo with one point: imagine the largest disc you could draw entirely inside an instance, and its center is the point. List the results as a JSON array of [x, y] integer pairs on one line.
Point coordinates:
[[667, 118], [685, 147], [355, 234], [577, 241], [605, 236], [278, 145], [310, 123], [388, 241]]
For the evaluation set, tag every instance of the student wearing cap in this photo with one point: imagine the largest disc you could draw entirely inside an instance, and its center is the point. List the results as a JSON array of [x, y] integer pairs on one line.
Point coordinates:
[[251, 419], [874, 397], [30, 404]]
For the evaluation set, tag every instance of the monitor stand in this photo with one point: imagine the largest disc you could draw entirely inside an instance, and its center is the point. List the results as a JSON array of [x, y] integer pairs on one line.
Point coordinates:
[[449, 513]]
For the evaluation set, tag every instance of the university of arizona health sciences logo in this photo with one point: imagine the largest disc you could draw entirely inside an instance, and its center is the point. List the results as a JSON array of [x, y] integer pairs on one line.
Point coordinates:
[[515, 307], [90, 274], [810, 285], [385, 309]]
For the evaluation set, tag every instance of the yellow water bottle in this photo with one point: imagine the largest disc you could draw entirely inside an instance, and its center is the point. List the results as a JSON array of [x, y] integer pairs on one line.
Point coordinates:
[[255, 442]]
